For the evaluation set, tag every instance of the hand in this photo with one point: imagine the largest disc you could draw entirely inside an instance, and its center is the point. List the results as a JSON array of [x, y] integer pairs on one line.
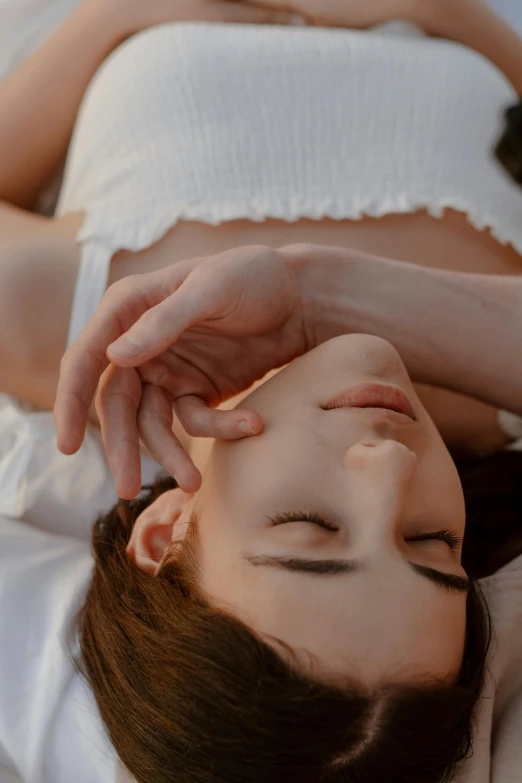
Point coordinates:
[[206, 330], [350, 13], [133, 16]]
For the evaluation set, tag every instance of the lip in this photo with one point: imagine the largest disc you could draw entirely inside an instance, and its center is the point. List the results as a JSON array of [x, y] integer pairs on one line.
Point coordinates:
[[373, 396]]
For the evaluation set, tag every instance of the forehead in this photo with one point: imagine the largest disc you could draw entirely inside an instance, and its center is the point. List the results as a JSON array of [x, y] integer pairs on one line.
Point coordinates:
[[378, 623]]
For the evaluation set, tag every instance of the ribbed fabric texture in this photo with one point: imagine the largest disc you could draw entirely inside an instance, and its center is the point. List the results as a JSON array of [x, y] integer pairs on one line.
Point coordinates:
[[214, 123]]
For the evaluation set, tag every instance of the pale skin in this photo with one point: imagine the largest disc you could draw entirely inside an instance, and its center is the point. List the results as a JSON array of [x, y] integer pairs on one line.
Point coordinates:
[[36, 121], [372, 526], [380, 481], [362, 576]]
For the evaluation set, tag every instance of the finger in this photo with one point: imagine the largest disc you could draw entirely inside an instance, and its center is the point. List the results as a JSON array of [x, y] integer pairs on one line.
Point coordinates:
[[117, 405], [155, 419], [160, 327], [80, 371], [83, 363], [245, 13], [201, 421]]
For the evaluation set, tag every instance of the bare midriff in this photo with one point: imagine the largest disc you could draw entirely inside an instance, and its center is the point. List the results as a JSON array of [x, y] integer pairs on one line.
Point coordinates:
[[450, 242], [447, 243]]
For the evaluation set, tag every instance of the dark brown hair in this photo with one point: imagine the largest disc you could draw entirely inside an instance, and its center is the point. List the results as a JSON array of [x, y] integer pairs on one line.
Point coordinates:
[[493, 491], [189, 694]]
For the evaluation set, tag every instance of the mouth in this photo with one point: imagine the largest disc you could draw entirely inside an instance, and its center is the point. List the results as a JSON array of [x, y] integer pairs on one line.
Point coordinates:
[[375, 396]]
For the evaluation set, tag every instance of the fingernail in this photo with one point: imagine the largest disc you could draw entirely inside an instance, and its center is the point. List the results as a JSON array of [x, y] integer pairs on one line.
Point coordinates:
[[126, 347], [245, 427], [298, 20]]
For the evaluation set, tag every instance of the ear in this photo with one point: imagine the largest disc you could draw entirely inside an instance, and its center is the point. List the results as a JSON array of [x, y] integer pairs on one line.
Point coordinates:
[[165, 520]]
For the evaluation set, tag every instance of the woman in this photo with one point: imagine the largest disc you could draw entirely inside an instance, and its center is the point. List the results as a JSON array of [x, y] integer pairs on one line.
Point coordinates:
[[276, 673], [348, 723], [405, 177], [285, 522]]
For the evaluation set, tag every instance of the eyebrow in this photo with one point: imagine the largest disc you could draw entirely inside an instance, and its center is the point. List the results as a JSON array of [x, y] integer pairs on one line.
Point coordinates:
[[453, 583]]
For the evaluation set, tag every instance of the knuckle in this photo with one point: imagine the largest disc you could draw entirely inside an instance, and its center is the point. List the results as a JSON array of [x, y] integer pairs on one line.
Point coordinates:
[[261, 249], [120, 289], [264, 251], [98, 364], [151, 316], [155, 319], [114, 291], [299, 248], [64, 361], [146, 414], [191, 425]]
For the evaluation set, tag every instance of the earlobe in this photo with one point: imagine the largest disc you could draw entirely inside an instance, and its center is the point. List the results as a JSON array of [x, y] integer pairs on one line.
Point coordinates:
[[165, 520]]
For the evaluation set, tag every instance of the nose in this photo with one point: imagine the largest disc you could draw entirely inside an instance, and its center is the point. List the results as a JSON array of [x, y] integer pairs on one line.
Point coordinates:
[[382, 458], [380, 477]]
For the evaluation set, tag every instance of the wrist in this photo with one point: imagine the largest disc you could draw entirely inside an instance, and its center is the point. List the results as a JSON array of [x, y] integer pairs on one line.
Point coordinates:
[[326, 278], [346, 292]]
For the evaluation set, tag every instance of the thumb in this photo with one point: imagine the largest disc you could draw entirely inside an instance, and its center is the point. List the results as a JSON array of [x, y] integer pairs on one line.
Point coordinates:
[[159, 328]]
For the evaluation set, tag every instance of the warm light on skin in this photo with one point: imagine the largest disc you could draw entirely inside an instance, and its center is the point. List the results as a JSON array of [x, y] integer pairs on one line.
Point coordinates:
[[375, 480]]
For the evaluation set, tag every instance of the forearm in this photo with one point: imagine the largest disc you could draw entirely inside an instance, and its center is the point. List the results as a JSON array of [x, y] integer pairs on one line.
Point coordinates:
[[469, 427], [474, 24], [40, 101], [459, 331], [37, 279]]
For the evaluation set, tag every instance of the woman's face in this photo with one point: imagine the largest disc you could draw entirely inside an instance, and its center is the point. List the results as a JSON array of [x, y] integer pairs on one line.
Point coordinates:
[[338, 530]]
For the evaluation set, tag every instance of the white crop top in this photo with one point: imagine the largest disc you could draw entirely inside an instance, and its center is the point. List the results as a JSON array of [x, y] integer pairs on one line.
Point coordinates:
[[212, 123]]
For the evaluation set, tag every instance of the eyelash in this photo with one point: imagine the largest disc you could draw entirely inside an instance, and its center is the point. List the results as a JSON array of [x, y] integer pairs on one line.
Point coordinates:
[[301, 516], [448, 536]]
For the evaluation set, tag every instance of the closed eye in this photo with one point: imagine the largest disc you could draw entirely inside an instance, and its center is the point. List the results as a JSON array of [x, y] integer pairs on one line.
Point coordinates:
[[447, 536], [301, 516]]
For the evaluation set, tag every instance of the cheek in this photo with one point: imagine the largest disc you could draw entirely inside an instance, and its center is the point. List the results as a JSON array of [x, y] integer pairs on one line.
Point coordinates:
[[454, 493], [440, 490], [282, 456], [444, 638]]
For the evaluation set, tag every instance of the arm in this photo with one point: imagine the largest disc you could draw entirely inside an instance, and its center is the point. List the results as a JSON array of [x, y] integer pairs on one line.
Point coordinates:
[[38, 107], [474, 24], [469, 22], [37, 279], [39, 102], [468, 427], [219, 324], [459, 331]]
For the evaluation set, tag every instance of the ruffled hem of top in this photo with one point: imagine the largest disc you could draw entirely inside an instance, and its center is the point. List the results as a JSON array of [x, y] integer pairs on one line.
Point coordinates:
[[139, 234]]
